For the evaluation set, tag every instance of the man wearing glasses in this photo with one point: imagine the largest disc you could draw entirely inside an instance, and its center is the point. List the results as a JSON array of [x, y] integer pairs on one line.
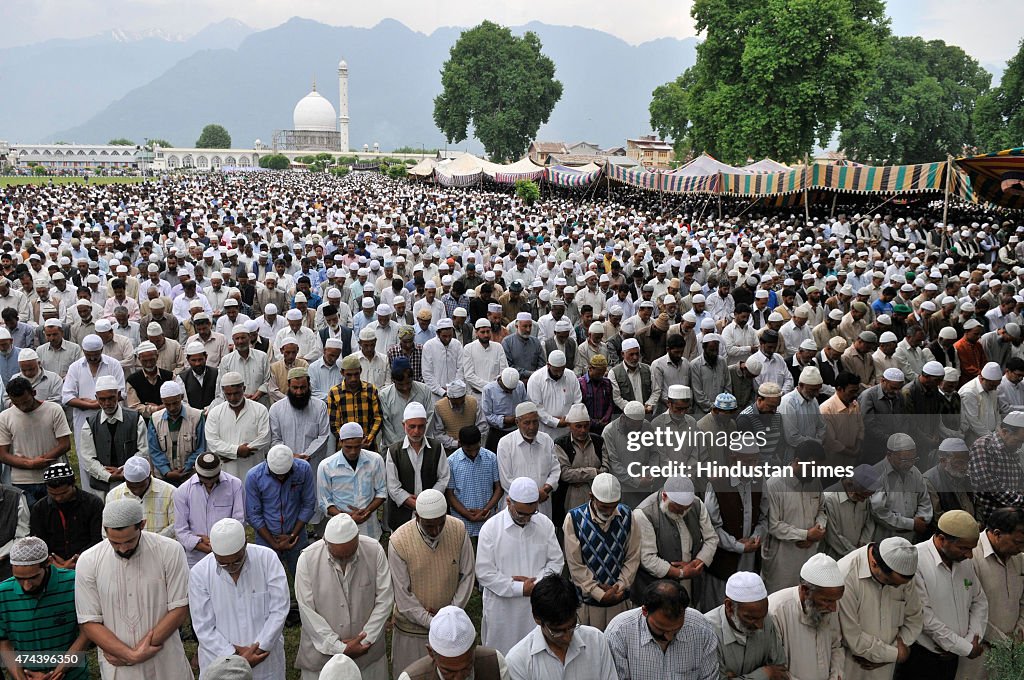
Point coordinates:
[[902, 506]]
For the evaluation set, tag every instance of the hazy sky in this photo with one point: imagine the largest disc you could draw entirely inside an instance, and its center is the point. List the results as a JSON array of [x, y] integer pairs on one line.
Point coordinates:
[[990, 30]]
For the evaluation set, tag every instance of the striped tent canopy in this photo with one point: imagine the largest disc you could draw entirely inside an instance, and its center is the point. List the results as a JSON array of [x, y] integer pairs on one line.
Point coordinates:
[[994, 178], [887, 179], [464, 171], [707, 165], [510, 174], [636, 177], [681, 184], [765, 184], [765, 165], [563, 176]]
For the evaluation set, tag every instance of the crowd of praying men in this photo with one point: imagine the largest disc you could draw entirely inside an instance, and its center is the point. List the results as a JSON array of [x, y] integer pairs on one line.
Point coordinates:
[[233, 404]]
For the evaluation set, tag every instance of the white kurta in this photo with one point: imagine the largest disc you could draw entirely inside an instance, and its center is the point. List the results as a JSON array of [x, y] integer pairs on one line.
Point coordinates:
[[536, 460], [230, 613], [226, 430], [505, 550]]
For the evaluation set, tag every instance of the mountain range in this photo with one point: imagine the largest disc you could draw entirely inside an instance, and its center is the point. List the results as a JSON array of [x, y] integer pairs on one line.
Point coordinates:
[[169, 87]]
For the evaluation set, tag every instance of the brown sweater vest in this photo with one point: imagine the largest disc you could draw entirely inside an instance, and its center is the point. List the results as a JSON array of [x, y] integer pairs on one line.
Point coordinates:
[[433, 574], [452, 421], [485, 666], [730, 506]]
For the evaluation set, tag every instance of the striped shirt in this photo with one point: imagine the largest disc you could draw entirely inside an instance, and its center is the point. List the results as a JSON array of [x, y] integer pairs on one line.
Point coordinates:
[[157, 504], [361, 406], [472, 482], [46, 624]]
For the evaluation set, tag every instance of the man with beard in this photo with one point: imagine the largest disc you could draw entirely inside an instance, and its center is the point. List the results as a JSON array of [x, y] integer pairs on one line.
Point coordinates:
[[805, 616], [251, 363], [144, 384], [110, 438], [749, 644], [948, 486], [522, 349], [300, 422], [955, 608], [901, 505], [131, 597], [626, 459], [709, 375], [554, 389], [199, 380], [156, 495], [27, 627], [482, 360], [528, 452], [431, 560], [851, 523], [325, 372], [238, 429], [632, 380]]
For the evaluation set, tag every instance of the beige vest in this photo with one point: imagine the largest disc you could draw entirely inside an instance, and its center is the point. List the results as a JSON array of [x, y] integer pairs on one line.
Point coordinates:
[[186, 435], [452, 421], [433, 574], [485, 666], [346, 617]]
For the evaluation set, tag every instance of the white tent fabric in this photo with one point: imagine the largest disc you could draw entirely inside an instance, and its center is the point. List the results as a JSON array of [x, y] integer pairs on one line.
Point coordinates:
[[425, 168], [765, 165], [706, 165]]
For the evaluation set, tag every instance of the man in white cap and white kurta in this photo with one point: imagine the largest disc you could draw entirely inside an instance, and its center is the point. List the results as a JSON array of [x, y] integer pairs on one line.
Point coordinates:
[[238, 429], [307, 339], [554, 389], [343, 587], [242, 600], [805, 616], [602, 551], [482, 360], [432, 566], [79, 392], [528, 452], [979, 403], [749, 645], [880, 614], [131, 597], [516, 548], [452, 650]]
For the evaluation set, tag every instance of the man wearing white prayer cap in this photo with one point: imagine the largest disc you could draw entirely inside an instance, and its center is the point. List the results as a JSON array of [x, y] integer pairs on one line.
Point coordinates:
[[482, 360], [626, 460], [454, 411], [748, 640], [308, 341], [237, 429], [178, 448], [343, 588], [632, 379], [523, 348], [516, 548], [135, 620], [602, 551], [245, 359], [340, 667], [156, 495], [806, 618], [881, 613], [579, 453], [413, 463], [110, 438], [979, 403], [452, 651], [528, 452], [432, 562], [677, 418], [143, 384], [948, 484], [353, 481], [232, 620], [677, 539], [554, 388]]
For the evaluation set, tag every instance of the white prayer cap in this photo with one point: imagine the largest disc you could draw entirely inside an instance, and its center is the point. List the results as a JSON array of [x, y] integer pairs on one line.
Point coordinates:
[[334, 343], [90, 343], [444, 323], [384, 310], [146, 346], [900, 441], [606, 488], [634, 410], [745, 586], [899, 555], [971, 324], [280, 459], [350, 431], [754, 366], [171, 389], [451, 632], [106, 382], [557, 358], [577, 414], [136, 469], [340, 667], [933, 368], [564, 324], [252, 325], [293, 315], [238, 328], [52, 323], [887, 336], [430, 504], [710, 337], [231, 667], [341, 529], [524, 316], [153, 328], [630, 343], [992, 371], [809, 345], [28, 551], [947, 333], [271, 309], [367, 333], [482, 323], [124, 512], [27, 354], [367, 303], [289, 340], [951, 374], [103, 326], [679, 392], [299, 297], [510, 378], [524, 490], [822, 571], [952, 445], [810, 375], [227, 536], [413, 410], [893, 374], [524, 408], [232, 378], [679, 490]]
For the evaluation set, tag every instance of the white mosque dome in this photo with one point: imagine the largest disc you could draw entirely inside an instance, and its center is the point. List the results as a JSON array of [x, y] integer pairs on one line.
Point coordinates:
[[315, 114]]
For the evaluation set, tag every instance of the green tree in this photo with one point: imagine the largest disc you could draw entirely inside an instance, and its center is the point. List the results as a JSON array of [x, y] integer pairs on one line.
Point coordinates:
[[396, 171], [275, 161], [40, 170], [162, 143], [503, 85], [773, 77], [214, 136], [999, 115], [670, 112], [527, 191], [919, 106], [121, 141]]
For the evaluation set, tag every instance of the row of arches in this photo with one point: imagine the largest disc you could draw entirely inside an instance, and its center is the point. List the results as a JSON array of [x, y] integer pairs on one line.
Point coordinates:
[[202, 162]]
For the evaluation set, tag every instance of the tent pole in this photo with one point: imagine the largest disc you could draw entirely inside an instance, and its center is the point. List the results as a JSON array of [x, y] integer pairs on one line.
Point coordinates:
[[807, 206], [832, 212], [719, 206], [945, 197]]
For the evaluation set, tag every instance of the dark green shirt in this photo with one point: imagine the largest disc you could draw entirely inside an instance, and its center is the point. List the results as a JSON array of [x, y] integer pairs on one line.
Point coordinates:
[[42, 625]]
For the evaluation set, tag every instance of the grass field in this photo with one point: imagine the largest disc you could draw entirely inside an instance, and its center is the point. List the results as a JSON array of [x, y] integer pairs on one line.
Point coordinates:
[[11, 180]]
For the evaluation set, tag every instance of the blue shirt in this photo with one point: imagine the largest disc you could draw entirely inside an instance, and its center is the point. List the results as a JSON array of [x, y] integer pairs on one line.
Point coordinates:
[[472, 481], [422, 336], [323, 377], [338, 484], [496, 403], [159, 457], [879, 307], [9, 365], [279, 505]]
